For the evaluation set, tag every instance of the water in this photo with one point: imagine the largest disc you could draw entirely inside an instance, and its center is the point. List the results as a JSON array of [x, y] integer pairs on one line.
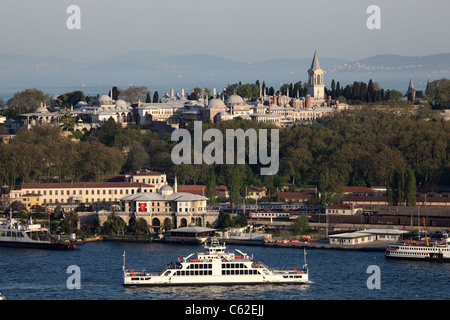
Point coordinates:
[[31, 274]]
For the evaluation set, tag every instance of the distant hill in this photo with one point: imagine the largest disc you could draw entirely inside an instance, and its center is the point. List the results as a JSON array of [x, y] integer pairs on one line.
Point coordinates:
[[160, 69], [392, 62]]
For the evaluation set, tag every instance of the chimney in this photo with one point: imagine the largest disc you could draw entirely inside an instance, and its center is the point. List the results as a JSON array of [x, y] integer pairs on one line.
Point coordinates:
[[308, 101], [182, 92], [337, 104], [329, 102], [176, 185], [171, 92]]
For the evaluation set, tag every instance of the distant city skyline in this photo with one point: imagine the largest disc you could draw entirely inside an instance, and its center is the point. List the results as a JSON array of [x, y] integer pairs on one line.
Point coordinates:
[[245, 31]]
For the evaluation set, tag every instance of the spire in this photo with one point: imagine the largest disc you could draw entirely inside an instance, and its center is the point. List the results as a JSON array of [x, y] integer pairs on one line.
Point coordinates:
[[315, 63], [411, 85]]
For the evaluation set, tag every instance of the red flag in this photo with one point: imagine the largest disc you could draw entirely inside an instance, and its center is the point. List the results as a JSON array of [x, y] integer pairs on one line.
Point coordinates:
[[142, 207]]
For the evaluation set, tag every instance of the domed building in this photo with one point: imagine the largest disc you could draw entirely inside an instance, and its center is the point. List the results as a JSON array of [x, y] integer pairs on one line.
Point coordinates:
[[167, 207], [235, 100], [104, 100], [40, 116], [215, 106]]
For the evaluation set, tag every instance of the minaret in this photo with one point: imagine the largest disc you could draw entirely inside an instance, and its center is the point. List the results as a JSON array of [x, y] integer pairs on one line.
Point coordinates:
[[316, 88], [175, 185], [411, 91]]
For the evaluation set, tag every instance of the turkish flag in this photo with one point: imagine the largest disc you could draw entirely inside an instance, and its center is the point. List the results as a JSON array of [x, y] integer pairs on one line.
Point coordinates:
[[142, 207]]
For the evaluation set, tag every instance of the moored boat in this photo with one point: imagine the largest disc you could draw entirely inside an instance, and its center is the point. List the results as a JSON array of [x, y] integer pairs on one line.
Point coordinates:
[[419, 250], [13, 233], [215, 266]]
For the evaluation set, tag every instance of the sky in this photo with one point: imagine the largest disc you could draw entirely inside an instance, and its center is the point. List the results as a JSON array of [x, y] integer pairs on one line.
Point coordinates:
[[241, 30]]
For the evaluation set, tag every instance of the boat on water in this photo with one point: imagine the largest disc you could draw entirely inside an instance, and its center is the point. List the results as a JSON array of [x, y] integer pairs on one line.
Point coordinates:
[[13, 233], [215, 266], [420, 250]]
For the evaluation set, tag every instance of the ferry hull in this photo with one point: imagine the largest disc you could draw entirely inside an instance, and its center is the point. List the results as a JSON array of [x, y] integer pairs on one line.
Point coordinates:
[[216, 281], [36, 245], [429, 258]]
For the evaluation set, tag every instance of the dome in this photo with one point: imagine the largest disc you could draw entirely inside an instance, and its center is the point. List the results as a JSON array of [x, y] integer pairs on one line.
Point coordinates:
[[121, 103], [41, 109], [104, 99], [235, 100], [81, 104], [216, 103], [166, 190]]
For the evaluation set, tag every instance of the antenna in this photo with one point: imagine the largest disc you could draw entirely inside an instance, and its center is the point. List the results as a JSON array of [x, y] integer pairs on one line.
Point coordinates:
[[123, 267]]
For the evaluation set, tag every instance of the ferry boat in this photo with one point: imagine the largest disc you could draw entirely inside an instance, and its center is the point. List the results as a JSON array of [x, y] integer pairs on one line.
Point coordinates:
[[31, 235], [418, 250], [215, 266]]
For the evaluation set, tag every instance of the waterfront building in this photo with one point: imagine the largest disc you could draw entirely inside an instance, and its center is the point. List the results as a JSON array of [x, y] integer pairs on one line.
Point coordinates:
[[351, 238], [51, 195], [168, 208]]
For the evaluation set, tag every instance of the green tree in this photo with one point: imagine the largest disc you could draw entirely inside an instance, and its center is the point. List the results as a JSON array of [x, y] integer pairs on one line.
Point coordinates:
[[113, 225], [26, 101], [211, 188], [156, 97], [68, 121], [139, 226], [438, 94], [410, 187], [301, 225]]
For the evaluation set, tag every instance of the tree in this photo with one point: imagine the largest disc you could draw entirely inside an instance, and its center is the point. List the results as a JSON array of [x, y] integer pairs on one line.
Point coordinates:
[[139, 226], [224, 220], [68, 121], [148, 99], [156, 97], [113, 225], [211, 188], [234, 179], [115, 93], [410, 187], [134, 93], [26, 101], [300, 225], [438, 94]]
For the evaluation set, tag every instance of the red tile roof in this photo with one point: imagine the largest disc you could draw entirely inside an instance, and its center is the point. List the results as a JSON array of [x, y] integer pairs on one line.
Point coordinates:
[[359, 190]]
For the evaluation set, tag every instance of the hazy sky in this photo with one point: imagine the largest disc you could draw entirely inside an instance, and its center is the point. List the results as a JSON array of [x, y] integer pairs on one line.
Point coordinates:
[[242, 30]]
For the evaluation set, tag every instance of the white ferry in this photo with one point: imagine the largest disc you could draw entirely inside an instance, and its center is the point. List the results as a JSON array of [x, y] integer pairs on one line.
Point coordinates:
[[30, 235], [418, 250], [215, 267]]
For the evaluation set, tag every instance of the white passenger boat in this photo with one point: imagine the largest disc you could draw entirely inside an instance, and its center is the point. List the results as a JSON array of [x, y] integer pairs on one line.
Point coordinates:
[[215, 266], [419, 250], [13, 233]]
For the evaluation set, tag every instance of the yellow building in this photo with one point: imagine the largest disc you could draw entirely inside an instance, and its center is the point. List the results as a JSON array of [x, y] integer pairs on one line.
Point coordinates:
[[31, 199]]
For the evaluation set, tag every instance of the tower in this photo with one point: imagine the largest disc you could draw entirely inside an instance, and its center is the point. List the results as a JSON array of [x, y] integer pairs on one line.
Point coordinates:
[[316, 88]]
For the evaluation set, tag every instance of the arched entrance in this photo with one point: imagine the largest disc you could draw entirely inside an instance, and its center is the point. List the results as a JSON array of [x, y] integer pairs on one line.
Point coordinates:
[[156, 225]]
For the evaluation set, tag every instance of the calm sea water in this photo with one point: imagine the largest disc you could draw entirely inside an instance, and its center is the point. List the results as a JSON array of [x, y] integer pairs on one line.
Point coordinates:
[[32, 274]]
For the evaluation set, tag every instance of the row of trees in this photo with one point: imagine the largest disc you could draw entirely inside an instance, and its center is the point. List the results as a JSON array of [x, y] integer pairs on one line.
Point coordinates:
[[353, 147]]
